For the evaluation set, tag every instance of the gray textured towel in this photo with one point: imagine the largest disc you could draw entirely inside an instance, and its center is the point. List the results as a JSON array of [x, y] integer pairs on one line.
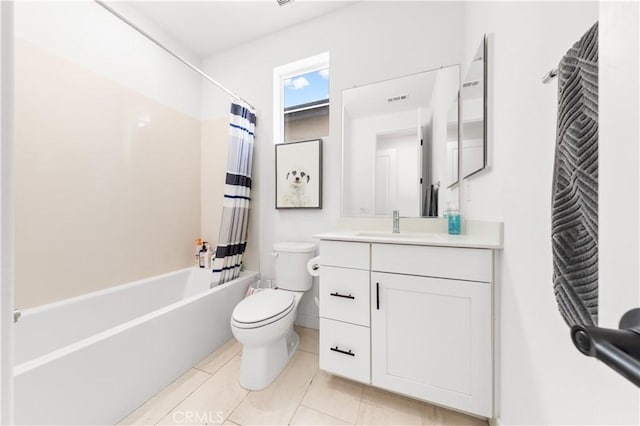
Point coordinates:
[[575, 184]]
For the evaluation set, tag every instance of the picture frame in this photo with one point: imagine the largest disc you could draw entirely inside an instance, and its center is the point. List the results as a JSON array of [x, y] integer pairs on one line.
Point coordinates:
[[299, 175]]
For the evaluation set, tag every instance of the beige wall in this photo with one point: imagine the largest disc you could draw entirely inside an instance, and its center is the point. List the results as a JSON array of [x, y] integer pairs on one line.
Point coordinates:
[[213, 163], [107, 181]]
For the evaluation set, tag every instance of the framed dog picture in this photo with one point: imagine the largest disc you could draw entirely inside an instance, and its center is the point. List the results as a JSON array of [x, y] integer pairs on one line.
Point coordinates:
[[299, 175]]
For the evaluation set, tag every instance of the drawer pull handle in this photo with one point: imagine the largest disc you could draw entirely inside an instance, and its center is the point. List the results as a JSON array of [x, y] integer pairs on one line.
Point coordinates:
[[378, 296], [346, 296], [343, 352]]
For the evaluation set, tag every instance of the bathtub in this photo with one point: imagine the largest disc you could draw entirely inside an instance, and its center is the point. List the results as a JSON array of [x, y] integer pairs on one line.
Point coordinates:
[[93, 359]]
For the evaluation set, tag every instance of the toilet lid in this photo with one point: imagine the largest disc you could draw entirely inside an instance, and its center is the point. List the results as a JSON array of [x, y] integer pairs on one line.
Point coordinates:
[[262, 306], [294, 247]]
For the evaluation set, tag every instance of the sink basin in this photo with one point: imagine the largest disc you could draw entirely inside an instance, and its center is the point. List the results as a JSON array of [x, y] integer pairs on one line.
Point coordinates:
[[399, 236]]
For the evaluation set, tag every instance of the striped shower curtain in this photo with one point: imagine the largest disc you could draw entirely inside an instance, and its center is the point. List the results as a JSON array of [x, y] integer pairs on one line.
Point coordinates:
[[232, 238]]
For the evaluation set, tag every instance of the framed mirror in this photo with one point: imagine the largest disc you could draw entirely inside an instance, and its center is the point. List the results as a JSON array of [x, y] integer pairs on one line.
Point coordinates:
[[473, 97], [400, 145]]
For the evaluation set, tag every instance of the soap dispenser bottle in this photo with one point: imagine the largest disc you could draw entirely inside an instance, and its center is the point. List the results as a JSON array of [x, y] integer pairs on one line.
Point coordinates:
[[447, 211], [454, 221], [203, 255], [196, 261]]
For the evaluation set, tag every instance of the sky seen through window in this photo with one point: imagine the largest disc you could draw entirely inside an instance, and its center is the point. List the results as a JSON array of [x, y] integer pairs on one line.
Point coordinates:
[[306, 88]]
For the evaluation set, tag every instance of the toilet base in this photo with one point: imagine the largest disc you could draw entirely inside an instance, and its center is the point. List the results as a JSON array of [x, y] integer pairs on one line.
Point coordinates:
[[262, 364]]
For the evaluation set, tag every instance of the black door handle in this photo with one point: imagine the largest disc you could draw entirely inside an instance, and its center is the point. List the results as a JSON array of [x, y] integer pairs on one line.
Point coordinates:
[[336, 294], [619, 349], [343, 352], [378, 296]]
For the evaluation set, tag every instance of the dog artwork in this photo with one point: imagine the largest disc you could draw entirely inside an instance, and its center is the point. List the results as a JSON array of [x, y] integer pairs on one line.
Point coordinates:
[[296, 192]]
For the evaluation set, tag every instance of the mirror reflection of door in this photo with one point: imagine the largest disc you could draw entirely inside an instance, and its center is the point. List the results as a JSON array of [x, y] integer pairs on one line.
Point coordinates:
[[385, 195], [397, 173], [451, 175], [452, 163], [400, 114]]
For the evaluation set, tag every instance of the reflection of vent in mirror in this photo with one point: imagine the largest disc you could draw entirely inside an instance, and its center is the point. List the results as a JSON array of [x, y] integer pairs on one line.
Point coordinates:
[[397, 98]]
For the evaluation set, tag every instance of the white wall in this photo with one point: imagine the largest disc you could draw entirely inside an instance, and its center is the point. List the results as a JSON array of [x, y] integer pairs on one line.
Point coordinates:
[[369, 41], [130, 11], [619, 152], [542, 379], [6, 213], [88, 35]]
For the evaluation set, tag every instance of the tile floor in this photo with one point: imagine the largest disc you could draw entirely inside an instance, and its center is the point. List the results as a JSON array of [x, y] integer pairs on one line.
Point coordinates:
[[210, 393]]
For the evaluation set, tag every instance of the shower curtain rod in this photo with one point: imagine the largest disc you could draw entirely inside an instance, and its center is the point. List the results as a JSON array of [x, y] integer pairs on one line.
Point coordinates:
[[169, 51]]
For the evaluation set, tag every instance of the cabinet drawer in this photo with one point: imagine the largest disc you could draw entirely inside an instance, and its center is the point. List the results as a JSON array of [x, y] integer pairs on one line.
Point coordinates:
[[445, 262], [344, 254], [344, 295], [345, 349]]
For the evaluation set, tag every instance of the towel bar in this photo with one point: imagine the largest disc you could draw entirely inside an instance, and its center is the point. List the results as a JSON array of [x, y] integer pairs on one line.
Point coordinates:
[[550, 76]]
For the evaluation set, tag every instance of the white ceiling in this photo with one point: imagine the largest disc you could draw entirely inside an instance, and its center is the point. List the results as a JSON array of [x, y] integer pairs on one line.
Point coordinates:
[[371, 100], [207, 27]]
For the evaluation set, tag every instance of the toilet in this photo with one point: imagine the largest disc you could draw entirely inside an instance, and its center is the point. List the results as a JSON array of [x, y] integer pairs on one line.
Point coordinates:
[[263, 322]]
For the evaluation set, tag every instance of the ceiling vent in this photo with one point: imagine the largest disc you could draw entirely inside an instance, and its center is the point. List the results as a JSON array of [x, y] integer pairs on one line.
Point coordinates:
[[284, 2], [397, 98]]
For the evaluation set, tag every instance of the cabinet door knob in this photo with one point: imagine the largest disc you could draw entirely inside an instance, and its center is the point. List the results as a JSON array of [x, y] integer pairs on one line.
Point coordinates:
[[346, 296], [343, 352]]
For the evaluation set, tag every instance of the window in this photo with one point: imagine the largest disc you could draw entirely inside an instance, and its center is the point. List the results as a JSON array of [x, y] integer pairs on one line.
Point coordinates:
[[301, 100]]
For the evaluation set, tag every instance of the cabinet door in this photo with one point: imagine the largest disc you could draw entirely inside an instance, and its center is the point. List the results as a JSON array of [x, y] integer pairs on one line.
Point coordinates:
[[431, 339]]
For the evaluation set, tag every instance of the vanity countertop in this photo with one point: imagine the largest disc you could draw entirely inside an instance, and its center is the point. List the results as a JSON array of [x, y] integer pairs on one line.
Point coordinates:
[[480, 235]]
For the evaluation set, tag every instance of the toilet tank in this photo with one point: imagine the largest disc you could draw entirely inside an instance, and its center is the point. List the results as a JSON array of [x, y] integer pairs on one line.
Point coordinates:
[[291, 265]]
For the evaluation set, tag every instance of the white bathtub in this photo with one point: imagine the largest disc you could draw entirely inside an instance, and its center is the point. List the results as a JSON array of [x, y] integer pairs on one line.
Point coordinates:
[[95, 358]]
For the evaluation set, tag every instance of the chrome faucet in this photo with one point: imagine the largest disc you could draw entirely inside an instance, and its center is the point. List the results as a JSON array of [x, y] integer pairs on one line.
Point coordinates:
[[396, 221]]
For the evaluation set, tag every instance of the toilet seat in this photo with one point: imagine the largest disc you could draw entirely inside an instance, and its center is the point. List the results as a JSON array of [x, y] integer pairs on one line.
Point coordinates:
[[262, 308]]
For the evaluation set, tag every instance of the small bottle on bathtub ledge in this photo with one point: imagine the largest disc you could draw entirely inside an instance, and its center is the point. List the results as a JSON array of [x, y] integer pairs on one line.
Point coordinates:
[[203, 255], [196, 261]]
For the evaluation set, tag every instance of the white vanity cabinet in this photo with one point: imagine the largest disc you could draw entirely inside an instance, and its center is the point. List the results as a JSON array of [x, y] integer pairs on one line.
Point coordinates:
[[431, 332], [426, 329]]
